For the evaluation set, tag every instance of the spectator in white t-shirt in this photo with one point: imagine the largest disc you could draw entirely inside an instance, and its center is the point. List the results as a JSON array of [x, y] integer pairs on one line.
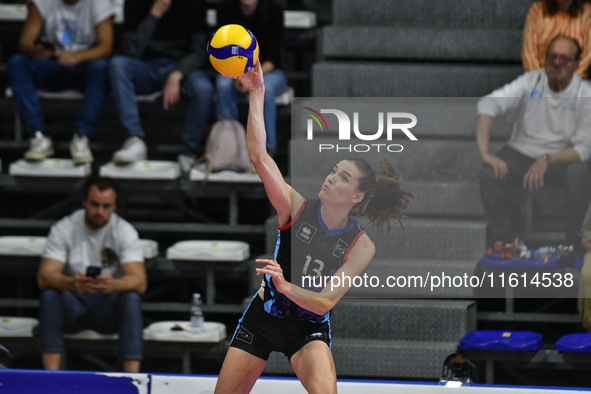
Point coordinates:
[[550, 143], [64, 44], [110, 302]]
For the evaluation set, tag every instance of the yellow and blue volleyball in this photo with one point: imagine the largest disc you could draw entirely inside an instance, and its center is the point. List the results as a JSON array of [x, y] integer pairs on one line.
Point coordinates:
[[233, 50]]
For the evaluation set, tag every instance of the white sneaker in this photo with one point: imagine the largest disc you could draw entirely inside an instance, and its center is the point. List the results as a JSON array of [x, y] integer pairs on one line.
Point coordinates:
[[41, 147], [134, 149], [187, 162], [80, 151]]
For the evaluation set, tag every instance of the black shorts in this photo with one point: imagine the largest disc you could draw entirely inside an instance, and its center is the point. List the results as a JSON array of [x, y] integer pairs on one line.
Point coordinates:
[[260, 333]]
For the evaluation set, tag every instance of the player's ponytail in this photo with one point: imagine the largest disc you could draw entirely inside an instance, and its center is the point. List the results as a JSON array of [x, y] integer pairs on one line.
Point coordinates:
[[383, 199]]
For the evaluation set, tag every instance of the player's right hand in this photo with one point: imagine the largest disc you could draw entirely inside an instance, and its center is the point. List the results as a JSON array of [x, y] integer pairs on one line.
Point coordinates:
[[253, 79], [497, 164]]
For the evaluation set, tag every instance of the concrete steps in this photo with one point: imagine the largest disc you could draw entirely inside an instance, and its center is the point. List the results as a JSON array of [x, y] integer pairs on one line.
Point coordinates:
[[376, 79]]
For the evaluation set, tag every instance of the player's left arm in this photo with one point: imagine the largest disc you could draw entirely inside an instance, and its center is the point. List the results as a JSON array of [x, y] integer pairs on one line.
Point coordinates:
[[320, 303]]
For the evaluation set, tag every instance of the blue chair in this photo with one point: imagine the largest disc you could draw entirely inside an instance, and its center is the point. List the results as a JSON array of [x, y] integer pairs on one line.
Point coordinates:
[[576, 343], [502, 340]]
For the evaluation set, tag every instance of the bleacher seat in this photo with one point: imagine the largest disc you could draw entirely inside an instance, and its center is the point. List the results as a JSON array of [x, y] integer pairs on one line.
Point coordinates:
[[49, 168], [502, 340], [32, 246], [144, 169], [218, 251], [17, 326], [576, 343], [180, 331], [209, 256], [22, 246]]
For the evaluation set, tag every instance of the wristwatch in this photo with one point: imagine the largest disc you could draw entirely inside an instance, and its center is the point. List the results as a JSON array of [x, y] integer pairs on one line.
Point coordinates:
[[547, 158]]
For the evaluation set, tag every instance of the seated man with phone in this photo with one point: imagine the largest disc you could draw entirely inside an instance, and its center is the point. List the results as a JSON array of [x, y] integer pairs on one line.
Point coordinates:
[[91, 276]]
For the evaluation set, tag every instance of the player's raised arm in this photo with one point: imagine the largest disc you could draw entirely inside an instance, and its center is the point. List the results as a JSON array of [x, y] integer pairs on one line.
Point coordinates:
[[280, 193]]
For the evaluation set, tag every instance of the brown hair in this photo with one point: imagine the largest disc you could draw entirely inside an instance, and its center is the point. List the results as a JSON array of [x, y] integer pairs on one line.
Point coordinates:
[[551, 8], [102, 183], [384, 199]]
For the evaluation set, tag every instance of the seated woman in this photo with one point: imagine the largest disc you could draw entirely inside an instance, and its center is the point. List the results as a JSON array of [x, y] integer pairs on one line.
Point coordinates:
[[548, 18]]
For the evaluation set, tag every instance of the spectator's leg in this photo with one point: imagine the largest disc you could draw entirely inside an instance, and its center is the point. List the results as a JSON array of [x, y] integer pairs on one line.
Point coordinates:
[[121, 312], [130, 323], [275, 83], [21, 75], [128, 77], [199, 91], [94, 78], [496, 193], [227, 96], [60, 311]]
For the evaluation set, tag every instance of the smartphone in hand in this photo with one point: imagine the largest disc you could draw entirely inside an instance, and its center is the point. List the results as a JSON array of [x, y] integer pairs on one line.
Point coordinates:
[[93, 272]]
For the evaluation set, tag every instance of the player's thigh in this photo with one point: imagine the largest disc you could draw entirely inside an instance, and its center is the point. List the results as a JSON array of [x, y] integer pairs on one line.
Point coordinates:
[[239, 373], [314, 366]]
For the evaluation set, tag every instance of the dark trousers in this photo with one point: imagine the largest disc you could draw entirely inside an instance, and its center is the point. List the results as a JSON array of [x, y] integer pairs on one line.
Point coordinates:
[[27, 74], [70, 312], [575, 177]]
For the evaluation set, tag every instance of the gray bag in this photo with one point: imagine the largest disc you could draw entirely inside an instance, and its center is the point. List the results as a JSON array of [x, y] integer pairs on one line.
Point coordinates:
[[226, 148]]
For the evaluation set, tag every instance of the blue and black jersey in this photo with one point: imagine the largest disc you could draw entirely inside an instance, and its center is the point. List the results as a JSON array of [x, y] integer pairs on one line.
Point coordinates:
[[309, 253]]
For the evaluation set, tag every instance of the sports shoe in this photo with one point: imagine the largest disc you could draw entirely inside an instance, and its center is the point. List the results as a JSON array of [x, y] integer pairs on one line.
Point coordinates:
[[80, 151], [41, 147], [187, 162], [133, 149]]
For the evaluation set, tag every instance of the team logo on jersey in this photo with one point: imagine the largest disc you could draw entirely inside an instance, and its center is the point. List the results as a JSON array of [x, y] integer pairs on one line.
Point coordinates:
[[244, 335], [340, 249], [306, 232]]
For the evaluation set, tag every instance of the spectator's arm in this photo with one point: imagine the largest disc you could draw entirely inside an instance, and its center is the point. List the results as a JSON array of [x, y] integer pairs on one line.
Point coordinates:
[[139, 32], [509, 96], [483, 126], [196, 57], [134, 278], [267, 66], [31, 30], [104, 46], [50, 276], [566, 156], [529, 50]]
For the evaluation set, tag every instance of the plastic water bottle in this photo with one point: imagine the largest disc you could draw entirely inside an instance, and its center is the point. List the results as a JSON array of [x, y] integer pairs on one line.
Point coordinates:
[[196, 314]]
